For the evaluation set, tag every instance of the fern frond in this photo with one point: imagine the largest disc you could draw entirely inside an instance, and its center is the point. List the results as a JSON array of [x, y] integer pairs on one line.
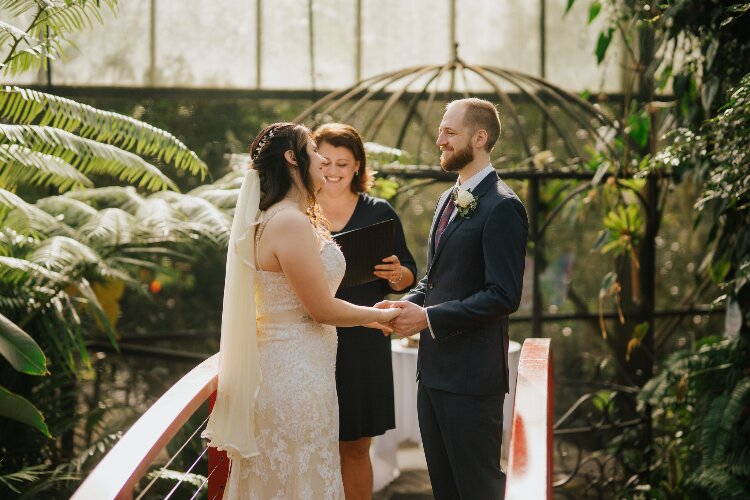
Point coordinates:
[[220, 198], [738, 464], [87, 155], [27, 219], [62, 254], [22, 166], [72, 212], [199, 215], [711, 431], [717, 483], [25, 107], [112, 227], [19, 272], [125, 198], [8, 31]]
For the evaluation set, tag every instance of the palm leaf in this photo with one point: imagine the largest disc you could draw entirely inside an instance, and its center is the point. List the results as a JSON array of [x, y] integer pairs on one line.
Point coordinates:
[[20, 350], [65, 255], [52, 22], [16, 408], [26, 107], [28, 219], [87, 155], [22, 166], [112, 227], [26, 475], [198, 216], [22, 273], [124, 198], [73, 213], [220, 198], [8, 31]]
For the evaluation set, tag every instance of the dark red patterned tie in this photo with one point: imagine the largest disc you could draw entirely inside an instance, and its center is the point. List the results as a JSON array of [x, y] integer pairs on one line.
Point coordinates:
[[445, 217]]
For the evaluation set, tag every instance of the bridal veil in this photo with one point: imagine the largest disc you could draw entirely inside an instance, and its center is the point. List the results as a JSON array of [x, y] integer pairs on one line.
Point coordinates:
[[232, 422]]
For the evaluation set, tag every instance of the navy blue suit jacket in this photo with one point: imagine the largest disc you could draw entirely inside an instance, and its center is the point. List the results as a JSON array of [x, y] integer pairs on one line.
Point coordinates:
[[473, 283]]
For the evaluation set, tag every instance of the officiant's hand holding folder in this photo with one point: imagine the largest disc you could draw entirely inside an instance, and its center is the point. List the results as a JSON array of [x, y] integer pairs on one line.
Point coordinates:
[[363, 249]]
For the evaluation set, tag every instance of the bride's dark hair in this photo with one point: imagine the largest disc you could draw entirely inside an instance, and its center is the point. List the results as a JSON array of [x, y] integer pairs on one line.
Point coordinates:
[[267, 153]]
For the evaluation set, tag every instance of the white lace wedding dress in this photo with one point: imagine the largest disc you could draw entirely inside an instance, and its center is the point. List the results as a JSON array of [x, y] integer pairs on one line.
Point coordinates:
[[296, 422]]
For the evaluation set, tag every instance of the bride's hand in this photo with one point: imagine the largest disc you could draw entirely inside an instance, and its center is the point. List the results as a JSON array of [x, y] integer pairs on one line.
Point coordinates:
[[383, 323], [388, 315]]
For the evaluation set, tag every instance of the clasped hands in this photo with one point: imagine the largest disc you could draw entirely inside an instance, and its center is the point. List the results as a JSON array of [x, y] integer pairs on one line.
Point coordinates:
[[411, 320]]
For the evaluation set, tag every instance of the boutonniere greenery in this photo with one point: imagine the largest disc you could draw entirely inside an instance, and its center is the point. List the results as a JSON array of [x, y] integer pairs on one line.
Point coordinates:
[[466, 203]]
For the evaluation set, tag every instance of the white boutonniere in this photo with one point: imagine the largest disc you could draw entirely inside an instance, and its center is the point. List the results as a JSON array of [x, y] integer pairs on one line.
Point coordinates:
[[466, 203]]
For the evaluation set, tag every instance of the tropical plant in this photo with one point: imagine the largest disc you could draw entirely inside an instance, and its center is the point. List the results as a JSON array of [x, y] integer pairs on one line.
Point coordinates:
[[60, 254], [700, 398], [699, 403]]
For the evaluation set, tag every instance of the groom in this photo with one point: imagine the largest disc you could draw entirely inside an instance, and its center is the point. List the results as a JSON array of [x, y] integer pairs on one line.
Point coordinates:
[[475, 265]]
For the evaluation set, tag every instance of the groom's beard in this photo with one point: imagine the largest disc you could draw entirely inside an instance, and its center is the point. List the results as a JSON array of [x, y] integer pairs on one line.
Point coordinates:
[[458, 160]]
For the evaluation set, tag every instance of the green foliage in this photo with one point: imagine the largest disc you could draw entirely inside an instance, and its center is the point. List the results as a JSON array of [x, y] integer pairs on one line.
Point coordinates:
[[719, 154], [699, 403], [45, 36], [17, 408], [690, 41], [29, 107], [57, 251], [20, 349]]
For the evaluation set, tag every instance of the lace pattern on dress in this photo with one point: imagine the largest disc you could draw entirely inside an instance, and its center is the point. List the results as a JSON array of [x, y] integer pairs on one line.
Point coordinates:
[[296, 409]]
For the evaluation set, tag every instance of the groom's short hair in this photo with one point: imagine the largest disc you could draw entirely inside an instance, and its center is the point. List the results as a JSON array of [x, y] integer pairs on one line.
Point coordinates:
[[481, 114]]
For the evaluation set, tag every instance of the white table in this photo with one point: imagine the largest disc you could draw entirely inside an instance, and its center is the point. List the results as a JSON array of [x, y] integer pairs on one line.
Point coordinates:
[[383, 450]]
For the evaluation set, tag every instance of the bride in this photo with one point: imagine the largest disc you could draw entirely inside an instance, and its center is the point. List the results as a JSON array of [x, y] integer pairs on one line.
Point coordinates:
[[276, 411]]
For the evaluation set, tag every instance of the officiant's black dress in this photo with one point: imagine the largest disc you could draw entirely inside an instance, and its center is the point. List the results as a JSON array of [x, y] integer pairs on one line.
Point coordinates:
[[364, 374]]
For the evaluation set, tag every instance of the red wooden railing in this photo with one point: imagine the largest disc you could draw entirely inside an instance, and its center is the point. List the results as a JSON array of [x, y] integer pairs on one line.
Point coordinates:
[[529, 472], [124, 465]]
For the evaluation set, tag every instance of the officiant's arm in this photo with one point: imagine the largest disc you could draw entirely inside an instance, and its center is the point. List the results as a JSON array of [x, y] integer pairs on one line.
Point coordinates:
[[399, 276], [292, 243], [506, 229]]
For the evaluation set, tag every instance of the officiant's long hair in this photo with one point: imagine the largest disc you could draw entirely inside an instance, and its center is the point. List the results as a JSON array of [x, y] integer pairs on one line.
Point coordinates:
[[267, 153]]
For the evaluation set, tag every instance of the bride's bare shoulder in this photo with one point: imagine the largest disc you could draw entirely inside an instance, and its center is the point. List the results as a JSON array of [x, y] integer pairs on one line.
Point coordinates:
[[281, 218]]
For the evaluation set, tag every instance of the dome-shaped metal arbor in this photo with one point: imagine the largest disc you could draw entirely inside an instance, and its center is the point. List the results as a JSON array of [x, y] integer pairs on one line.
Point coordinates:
[[403, 108]]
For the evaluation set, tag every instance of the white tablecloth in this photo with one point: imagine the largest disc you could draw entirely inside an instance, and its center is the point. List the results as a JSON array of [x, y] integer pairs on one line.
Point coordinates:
[[383, 450]]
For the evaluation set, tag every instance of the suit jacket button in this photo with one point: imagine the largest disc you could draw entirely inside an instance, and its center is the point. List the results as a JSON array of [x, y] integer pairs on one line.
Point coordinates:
[[429, 286]]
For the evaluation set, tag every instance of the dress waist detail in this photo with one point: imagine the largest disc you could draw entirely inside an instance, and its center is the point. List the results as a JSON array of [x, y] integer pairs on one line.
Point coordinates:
[[298, 315]]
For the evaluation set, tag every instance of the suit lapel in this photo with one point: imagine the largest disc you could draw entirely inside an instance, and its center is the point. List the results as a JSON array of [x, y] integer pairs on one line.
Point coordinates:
[[480, 190]]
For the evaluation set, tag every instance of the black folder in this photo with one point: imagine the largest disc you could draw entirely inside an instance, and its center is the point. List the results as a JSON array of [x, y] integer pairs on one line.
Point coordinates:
[[363, 249]]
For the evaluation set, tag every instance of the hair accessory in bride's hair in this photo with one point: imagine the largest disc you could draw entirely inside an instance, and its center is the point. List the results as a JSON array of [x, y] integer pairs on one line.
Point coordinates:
[[262, 144]]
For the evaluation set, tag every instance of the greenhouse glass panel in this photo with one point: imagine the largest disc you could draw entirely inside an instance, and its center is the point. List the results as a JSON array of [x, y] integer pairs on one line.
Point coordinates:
[[397, 34], [115, 53], [571, 60], [205, 45], [334, 25]]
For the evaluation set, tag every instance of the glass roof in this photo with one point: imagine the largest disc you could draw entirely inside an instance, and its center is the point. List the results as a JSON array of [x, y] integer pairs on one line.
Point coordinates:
[[265, 44]]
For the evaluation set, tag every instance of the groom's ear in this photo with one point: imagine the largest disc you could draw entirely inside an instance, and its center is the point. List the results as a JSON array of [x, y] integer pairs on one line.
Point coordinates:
[[289, 157], [480, 138]]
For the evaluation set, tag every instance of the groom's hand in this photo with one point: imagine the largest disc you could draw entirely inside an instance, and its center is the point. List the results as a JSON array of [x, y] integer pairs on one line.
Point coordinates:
[[413, 318]]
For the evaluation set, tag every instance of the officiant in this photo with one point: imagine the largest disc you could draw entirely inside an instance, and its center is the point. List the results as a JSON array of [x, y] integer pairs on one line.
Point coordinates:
[[364, 379]]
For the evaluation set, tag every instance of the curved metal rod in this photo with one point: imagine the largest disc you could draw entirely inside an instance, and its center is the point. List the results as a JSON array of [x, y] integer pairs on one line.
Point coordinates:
[[354, 89], [565, 100], [428, 109], [377, 120], [559, 207], [368, 95], [507, 102], [358, 88], [570, 145], [412, 110]]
